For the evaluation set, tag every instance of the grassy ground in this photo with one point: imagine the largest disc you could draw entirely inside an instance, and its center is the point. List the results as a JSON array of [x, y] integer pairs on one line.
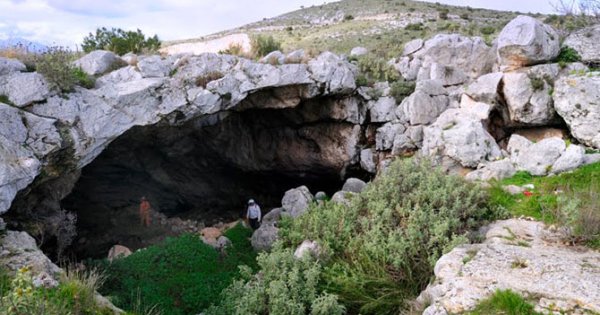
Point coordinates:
[[179, 276], [569, 199], [504, 303]]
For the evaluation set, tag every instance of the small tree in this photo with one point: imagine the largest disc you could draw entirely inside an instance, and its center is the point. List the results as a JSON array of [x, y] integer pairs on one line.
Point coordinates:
[[120, 41]]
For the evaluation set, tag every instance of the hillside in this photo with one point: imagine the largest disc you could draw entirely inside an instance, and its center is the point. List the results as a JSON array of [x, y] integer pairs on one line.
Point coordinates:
[[382, 26]]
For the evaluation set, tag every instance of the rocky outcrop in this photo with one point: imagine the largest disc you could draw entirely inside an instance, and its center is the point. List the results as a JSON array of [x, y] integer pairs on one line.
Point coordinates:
[[523, 256], [586, 42], [99, 62], [296, 201], [19, 249], [526, 41], [577, 101]]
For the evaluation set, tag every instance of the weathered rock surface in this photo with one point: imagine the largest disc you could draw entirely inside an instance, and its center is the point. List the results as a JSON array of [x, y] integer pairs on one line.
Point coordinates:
[[354, 185], [296, 201], [570, 159], [538, 158], [526, 41], [264, 237], [118, 251], [154, 67], [523, 256], [429, 100], [23, 89], [18, 249], [577, 101], [586, 42], [383, 110], [461, 136], [307, 248], [8, 65], [358, 51], [99, 62], [493, 170], [528, 102]]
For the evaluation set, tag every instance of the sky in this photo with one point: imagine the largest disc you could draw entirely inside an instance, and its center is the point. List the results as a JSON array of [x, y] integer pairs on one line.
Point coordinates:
[[66, 22]]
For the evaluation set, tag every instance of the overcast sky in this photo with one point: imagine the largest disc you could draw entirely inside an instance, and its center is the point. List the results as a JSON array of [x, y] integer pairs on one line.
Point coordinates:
[[66, 22]]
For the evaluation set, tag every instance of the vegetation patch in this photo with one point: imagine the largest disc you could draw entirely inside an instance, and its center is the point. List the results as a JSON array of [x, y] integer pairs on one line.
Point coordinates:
[[504, 302], [262, 45], [568, 54], [569, 199], [378, 252], [120, 41], [179, 276]]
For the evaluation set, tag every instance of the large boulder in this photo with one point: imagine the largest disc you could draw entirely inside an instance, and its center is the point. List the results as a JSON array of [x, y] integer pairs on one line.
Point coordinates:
[[337, 74], [19, 249], [570, 159], [99, 62], [367, 161], [520, 255], [123, 75], [485, 88], [354, 185], [296, 201], [423, 107], [462, 137], [382, 110], [154, 67], [273, 58], [528, 99], [577, 101], [586, 42], [8, 65], [526, 41], [24, 89], [264, 237], [537, 158]]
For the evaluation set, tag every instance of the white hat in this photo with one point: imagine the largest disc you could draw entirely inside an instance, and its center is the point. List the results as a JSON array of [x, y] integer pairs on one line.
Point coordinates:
[[251, 201]]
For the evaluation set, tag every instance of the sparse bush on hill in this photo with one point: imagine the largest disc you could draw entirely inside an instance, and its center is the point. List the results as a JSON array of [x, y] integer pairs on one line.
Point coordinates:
[[56, 66], [568, 54], [414, 27], [487, 30], [262, 45], [374, 69], [234, 49], [120, 41]]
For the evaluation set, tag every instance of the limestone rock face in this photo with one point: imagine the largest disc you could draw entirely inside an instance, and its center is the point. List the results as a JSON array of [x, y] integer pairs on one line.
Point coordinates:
[[577, 101], [354, 185], [570, 159], [494, 170], [528, 102], [338, 74], [18, 249], [586, 42], [427, 102], [296, 201], [99, 62], [154, 67], [461, 136], [23, 89], [10, 65], [538, 158], [383, 110], [516, 255], [264, 237], [526, 41]]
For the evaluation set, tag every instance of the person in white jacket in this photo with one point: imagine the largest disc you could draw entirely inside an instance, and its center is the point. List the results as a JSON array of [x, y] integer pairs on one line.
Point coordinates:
[[253, 214]]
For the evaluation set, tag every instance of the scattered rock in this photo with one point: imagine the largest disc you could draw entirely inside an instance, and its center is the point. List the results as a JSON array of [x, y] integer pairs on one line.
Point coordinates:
[[525, 41], [308, 247], [570, 159], [272, 217], [118, 251], [264, 237], [354, 185], [367, 161], [343, 197], [538, 158], [493, 170], [358, 51], [273, 58], [296, 201], [99, 62], [10, 65], [320, 196], [513, 189]]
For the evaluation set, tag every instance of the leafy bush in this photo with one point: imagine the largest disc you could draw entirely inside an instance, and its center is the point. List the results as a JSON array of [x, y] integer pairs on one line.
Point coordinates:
[[384, 245], [56, 66], [285, 285], [376, 253], [568, 54], [75, 295], [401, 89], [504, 302], [120, 41], [262, 45], [179, 276], [375, 69], [487, 30], [414, 27]]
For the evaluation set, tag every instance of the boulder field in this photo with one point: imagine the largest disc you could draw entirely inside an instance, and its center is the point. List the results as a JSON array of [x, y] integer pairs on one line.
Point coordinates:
[[204, 132]]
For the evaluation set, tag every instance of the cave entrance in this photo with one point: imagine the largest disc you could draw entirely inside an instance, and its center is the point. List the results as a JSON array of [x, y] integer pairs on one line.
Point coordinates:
[[204, 170]]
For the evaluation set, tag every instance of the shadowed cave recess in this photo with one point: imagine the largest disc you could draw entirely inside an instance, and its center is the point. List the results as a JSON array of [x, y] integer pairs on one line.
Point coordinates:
[[203, 171]]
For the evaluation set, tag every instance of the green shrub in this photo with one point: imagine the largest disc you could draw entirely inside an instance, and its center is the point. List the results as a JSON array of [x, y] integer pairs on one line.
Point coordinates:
[[262, 45], [443, 14], [414, 27], [348, 17], [465, 16], [4, 99], [120, 41], [537, 83], [75, 295], [285, 285], [401, 89], [487, 30], [385, 244], [568, 54], [376, 69], [504, 302], [179, 276], [56, 66]]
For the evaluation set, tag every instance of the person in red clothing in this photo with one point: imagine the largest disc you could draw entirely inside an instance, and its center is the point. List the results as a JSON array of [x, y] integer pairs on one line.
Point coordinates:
[[145, 212]]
